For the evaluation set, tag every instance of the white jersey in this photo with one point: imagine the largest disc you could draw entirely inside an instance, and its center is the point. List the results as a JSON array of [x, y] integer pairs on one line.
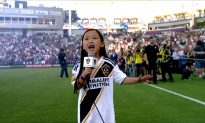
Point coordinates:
[[98, 93]]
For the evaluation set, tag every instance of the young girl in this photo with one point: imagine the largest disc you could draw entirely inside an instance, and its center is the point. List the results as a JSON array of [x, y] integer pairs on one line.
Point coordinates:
[[95, 85]]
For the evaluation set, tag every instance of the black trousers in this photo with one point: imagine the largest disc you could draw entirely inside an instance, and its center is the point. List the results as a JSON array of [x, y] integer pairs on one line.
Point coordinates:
[[64, 70], [186, 74], [152, 70], [175, 64], [166, 68]]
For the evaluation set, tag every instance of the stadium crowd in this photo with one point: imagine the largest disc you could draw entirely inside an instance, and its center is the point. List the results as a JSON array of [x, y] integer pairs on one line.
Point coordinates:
[[179, 52], [39, 48], [185, 50]]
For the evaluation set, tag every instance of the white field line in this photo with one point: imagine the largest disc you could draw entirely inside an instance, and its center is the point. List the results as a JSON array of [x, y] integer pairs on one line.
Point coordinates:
[[183, 96]]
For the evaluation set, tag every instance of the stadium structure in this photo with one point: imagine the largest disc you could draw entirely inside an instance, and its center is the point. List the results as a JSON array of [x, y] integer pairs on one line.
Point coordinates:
[[117, 24], [24, 20], [177, 21]]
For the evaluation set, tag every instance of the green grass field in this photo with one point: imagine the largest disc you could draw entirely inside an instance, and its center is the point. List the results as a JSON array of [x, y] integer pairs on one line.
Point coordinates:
[[38, 96]]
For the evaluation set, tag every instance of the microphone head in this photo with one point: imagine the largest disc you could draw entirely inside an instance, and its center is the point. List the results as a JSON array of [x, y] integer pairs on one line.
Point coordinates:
[[89, 61], [91, 54]]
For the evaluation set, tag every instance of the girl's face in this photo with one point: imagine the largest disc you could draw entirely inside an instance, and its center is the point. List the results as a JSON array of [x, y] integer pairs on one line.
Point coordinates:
[[92, 43]]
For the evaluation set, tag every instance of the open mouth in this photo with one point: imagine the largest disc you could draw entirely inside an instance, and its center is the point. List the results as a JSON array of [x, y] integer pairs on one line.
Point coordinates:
[[91, 47]]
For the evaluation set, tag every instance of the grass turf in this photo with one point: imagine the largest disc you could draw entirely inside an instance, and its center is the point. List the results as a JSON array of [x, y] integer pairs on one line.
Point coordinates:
[[38, 95]]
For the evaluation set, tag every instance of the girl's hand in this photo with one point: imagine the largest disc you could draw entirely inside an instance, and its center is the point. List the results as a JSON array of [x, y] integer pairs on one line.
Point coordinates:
[[146, 78], [87, 71]]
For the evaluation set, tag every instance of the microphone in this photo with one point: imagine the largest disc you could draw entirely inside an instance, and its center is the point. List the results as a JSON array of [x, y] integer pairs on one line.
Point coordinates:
[[90, 60]]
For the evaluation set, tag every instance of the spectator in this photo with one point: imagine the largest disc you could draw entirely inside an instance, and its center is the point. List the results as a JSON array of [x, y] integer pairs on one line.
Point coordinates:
[[121, 63], [199, 58], [114, 56], [175, 62]]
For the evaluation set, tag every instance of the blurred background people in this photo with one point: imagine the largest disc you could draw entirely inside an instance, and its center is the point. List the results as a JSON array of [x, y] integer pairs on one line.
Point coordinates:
[[199, 53], [129, 63], [165, 63], [121, 63], [175, 61], [114, 56], [63, 63], [139, 61], [151, 52]]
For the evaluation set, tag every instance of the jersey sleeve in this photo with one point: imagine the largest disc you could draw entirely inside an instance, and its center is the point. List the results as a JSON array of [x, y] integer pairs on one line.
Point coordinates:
[[75, 72], [118, 75]]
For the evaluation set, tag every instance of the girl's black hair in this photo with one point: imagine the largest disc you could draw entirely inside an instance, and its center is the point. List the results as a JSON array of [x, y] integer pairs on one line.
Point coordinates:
[[84, 54]]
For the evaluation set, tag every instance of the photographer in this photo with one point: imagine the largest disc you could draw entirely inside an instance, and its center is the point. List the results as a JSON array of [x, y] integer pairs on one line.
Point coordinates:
[[63, 63], [139, 61], [129, 64]]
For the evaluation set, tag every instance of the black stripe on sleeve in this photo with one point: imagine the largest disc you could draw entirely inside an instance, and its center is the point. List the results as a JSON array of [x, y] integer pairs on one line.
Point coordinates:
[[112, 62]]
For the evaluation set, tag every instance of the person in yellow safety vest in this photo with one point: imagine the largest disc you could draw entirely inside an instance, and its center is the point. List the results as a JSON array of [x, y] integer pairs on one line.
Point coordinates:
[[138, 61], [158, 62], [165, 63], [160, 59], [161, 52]]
